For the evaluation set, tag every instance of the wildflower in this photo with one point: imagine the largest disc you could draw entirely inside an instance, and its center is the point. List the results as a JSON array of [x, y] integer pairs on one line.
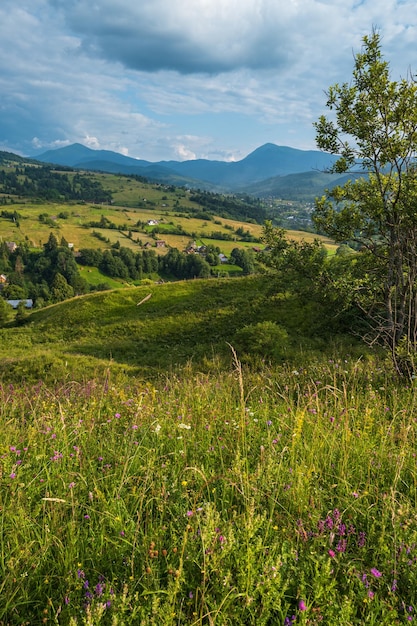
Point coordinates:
[[86, 516], [184, 483], [302, 606], [269, 423], [13, 475], [71, 485], [157, 428], [371, 594], [190, 513], [331, 553], [394, 585], [184, 426], [375, 572], [98, 589], [341, 546]]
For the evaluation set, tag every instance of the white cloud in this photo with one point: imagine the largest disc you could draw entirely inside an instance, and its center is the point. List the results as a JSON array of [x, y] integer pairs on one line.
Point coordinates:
[[191, 78]]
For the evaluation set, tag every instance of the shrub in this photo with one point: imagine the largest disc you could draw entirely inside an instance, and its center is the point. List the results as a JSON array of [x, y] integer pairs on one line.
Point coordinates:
[[266, 339]]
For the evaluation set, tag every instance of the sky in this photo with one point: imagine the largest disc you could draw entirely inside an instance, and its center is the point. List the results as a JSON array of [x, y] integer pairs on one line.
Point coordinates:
[[183, 79]]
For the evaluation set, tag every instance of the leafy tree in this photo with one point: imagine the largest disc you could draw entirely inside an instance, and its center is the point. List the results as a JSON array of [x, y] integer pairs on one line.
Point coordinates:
[[22, 315], [60, 289], [244, 259], [374, 128], [90, 256], [5, 312], [14, 292]]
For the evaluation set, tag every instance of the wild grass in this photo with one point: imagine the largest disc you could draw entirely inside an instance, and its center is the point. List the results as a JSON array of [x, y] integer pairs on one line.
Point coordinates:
[[186, 321], [280, 496]]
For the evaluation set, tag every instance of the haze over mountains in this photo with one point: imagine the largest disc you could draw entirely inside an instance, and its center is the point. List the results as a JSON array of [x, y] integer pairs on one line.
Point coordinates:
[[266, 171]]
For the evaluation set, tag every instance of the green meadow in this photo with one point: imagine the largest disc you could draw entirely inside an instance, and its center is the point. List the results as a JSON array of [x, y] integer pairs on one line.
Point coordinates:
[[203, 452]]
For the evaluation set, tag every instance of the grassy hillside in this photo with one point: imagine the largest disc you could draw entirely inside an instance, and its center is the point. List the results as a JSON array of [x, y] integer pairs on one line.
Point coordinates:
[[283, 496], [178, 322]]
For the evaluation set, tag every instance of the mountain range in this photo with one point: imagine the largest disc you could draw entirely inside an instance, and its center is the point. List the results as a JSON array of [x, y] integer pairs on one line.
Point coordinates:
[[266, 171]]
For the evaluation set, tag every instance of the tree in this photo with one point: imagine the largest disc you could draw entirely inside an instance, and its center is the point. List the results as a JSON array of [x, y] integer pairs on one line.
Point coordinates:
[[244, 259], [60, 289], [51, 245], [374, 130], [22, 315], [5, 312]]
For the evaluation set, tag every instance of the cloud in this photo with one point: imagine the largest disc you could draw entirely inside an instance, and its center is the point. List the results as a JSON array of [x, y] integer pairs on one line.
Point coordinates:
[[161, 79], [201, 36]]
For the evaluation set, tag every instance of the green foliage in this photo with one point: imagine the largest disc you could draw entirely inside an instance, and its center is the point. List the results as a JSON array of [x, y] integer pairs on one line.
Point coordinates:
[[267, 340], [5, 312], [244, 259], [60, 289], [375, 128], [45, 182], [21, 314]]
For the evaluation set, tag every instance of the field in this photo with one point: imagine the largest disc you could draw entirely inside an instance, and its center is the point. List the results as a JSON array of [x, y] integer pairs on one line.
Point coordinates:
[[282, 496], [176, 323], [202, 452], [133, 202]]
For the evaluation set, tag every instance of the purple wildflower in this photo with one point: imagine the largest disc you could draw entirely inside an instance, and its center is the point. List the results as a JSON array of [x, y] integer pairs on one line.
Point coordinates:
[[375, 572], [302, 606], [341, 546], [98, 589]]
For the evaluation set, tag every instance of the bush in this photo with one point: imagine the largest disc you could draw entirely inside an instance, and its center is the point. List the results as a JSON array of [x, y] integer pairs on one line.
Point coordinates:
[[266, 339]]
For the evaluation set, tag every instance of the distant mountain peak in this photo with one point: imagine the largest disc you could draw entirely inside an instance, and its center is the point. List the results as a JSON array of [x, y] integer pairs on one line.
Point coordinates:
[[267, 161]]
